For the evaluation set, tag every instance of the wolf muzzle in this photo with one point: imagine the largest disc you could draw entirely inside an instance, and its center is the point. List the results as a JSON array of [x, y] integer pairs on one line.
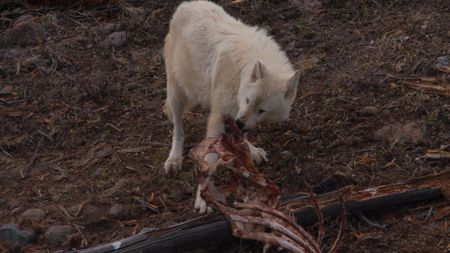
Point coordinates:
[[241, 125]]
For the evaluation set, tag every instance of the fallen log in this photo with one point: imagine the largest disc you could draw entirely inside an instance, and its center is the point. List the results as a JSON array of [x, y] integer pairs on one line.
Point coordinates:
[[213, 230]]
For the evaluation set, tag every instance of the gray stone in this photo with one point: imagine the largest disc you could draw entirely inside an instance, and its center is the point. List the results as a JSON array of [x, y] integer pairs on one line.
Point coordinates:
[[56, 235], [115, 39], [23, 34], [10, 232], [369, 110], [87, 210], [408, 133], [286, 154], [400, 67], [116, 210], [442, 61], [33, 214], [107, 28], [131, 86]]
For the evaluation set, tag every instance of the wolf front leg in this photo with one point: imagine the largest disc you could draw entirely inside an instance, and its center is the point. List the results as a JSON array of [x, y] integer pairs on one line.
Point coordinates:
[[175, 105], [214, 129]]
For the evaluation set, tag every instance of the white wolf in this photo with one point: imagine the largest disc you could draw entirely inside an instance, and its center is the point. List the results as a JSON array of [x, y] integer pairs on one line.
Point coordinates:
[[226, 66]]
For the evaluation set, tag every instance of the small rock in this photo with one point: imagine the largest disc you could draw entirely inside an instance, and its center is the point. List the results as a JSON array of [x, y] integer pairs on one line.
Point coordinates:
[[31, 61], [7, 89], [286, 154], [310, 62], [115, 39], [57, 234], [425, 25], [402, 133], [136, 15], [33, 214], [119, 186], [135, 11], [13, 54], [16, 210], [369, 110], [442, 61], [131, 86], [107, 28], [60, 174], [400, 67], [116, 210], [24, 33], [23, 18], [106, 151], [87, 210], [10, 232]]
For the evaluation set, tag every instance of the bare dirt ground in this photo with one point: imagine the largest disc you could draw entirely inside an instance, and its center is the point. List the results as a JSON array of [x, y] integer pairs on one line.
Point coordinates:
[[92, 134]]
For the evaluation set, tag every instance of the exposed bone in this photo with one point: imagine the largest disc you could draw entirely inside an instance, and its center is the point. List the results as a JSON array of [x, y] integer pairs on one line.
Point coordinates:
[[231, 183]]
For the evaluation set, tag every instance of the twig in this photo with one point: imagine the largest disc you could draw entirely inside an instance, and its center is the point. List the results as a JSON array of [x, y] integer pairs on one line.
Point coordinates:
[[341, 226], [14, 101], [45, 135], [24, 172], [207, 231], [146, 204], [59, 159], [64, 210], [80, 208], [114, 127], [5, 152], [321, 233], [371, 223], [141, 149]]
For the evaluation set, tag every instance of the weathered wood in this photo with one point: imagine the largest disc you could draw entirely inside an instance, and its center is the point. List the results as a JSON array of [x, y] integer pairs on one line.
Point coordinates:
[[213, 230]]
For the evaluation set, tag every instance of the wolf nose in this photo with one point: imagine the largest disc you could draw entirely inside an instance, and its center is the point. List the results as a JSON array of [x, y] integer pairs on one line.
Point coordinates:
[[240, 124]]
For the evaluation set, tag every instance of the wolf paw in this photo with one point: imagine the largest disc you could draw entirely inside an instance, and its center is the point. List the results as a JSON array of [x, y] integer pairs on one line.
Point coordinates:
[[173, 165], [258, 154], [200, 205]]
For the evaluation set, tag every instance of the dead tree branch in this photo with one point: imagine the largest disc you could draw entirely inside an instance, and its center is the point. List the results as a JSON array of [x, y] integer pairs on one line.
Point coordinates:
[[213, 230]]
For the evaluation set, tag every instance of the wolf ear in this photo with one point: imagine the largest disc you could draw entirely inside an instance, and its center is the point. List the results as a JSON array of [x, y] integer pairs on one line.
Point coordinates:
[[258, 71], [291, 85]]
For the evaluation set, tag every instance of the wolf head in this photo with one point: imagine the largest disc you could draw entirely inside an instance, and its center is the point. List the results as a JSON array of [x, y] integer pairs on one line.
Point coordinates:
[[265, 96]]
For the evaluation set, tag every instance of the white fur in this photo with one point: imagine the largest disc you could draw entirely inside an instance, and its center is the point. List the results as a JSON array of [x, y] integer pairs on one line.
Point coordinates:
[[230, 68]]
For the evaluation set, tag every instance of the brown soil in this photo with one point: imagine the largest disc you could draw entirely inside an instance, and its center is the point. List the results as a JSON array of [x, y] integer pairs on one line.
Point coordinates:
[[93, 106]]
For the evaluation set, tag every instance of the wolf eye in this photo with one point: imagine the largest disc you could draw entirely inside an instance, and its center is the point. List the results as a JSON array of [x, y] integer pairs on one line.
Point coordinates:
[[261, 111]]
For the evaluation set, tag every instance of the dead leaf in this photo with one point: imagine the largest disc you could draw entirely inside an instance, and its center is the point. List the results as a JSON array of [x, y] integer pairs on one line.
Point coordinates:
[[401, 133], [118, 187], [6, 90], [436, 154], [429, 85], [368, 235], [366, 160], [310, 62]]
